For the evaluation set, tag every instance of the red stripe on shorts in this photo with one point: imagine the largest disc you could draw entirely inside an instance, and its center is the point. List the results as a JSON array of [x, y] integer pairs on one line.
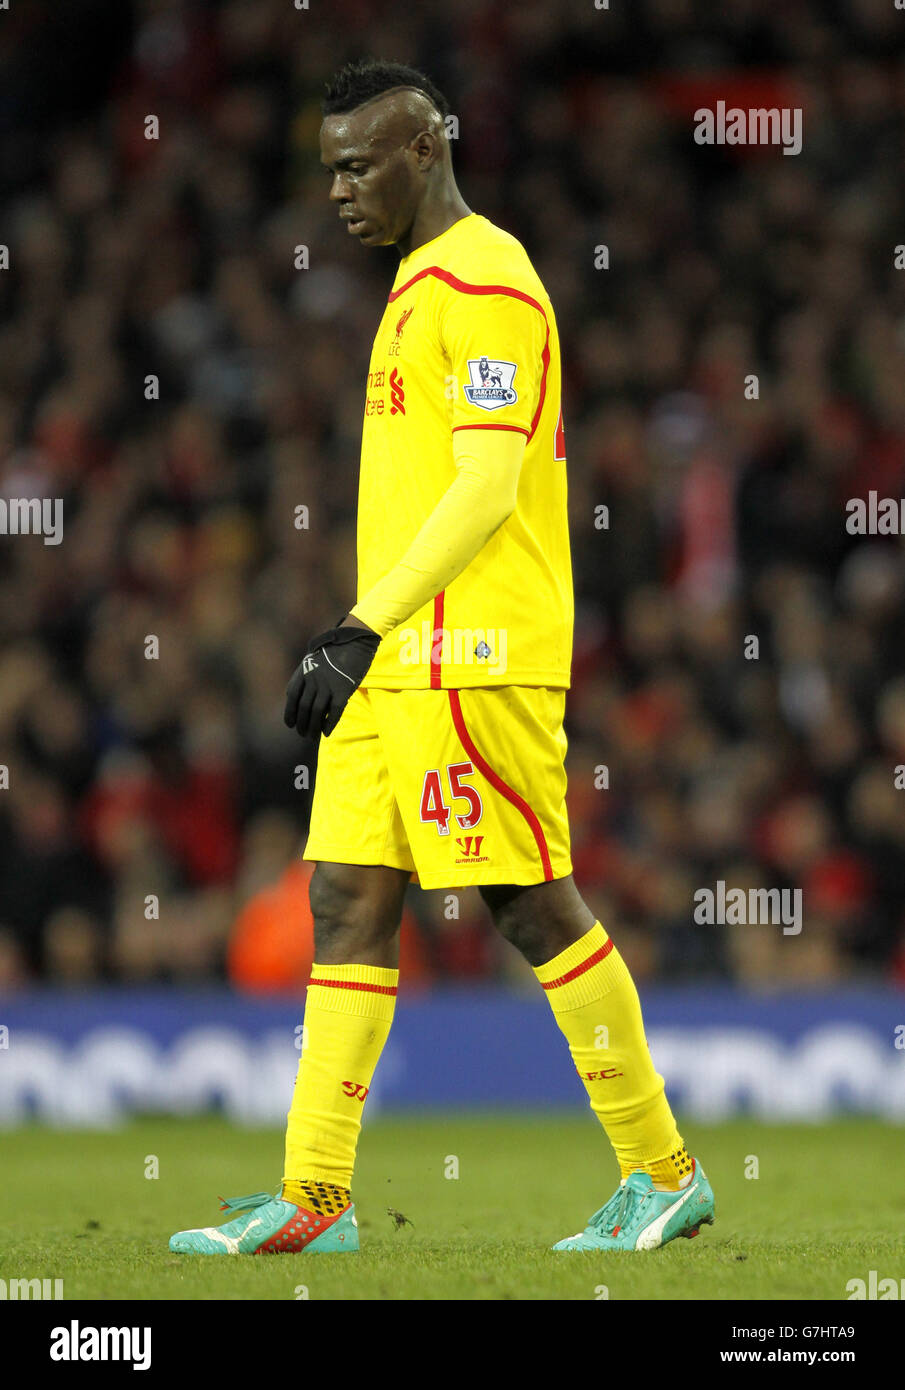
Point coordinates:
[[498, 784]]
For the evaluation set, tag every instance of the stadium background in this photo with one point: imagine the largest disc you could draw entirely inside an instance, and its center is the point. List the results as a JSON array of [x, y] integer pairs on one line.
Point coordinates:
[[175, 257]]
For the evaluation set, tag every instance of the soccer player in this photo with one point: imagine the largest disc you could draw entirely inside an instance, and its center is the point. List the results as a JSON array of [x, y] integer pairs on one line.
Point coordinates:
[[441, 693]]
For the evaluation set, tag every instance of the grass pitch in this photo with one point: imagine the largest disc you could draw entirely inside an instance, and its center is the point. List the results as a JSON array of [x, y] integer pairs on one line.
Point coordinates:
[[828, 1205]]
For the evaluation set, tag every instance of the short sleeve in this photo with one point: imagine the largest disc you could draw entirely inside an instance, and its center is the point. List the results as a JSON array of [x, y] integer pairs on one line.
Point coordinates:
[[497, 343]]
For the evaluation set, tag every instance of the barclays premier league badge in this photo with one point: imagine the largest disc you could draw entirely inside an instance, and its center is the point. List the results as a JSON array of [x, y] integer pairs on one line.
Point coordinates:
[[491, 383]]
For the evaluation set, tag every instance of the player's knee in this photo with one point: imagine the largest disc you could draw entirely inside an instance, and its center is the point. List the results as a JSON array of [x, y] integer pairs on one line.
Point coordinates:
[[540, 920], [344, 908], [523, 931], [333, 898]]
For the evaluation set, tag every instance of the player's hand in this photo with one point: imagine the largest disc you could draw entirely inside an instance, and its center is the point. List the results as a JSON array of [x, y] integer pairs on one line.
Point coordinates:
[[332, 668]]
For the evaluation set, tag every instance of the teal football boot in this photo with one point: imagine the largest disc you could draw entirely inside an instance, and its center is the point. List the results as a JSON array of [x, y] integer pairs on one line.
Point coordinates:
[[269, 1226], [638, 1217]]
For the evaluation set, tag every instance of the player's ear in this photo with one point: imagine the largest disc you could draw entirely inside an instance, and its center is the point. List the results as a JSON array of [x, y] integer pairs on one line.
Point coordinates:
[[426, 148]]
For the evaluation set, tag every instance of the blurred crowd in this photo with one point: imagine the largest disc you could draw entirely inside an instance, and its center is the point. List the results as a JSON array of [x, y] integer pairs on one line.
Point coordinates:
[[731, 379]]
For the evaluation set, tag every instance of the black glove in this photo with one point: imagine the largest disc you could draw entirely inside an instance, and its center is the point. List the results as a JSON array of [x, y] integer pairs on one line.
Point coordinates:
[[333, 666]]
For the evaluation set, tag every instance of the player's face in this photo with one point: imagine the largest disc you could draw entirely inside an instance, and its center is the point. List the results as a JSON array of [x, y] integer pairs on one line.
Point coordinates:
[[374, 184]]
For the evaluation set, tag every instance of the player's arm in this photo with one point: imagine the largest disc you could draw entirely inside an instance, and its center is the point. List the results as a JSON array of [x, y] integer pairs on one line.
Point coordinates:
[[474, 506], [508, 333]]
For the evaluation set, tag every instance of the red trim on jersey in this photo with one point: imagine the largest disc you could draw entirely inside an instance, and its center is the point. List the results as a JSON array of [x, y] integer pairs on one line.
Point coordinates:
[[545, 358], [498, 784], [437, 645], [452, 280], [354, 984], [517, 429], [580, 969], [465, 288]]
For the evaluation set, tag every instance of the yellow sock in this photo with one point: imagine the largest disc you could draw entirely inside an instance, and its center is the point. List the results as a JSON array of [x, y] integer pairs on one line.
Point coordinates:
[[596, 1005], [348, 1012]]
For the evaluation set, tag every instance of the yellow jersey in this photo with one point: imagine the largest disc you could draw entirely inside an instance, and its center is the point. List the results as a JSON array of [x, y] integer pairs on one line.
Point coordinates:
[[468, 341]]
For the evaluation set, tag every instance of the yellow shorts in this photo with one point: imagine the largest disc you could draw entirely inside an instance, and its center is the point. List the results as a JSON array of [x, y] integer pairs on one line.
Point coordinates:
[[459, 787]]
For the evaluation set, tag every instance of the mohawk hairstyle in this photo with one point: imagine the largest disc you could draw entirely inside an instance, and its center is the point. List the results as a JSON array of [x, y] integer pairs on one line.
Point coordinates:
[[359, 82]]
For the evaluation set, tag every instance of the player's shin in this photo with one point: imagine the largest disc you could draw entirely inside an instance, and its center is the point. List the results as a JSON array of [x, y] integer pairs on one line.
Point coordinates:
[[596, 1005], [348, 1012]]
